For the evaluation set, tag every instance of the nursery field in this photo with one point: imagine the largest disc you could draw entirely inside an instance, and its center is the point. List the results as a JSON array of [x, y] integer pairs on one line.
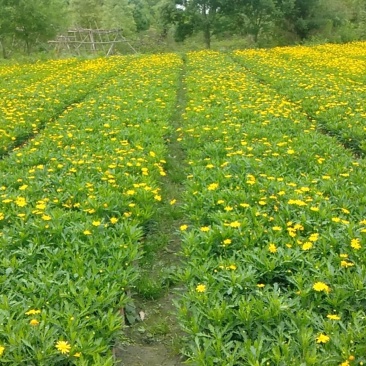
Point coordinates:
[[272, 204]]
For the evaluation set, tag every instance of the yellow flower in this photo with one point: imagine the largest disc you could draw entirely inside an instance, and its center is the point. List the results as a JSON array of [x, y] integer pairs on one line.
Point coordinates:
[[63, 346], [291, 232], [204, 228], [96, 223], [2, 349], [201, 288], [86, 232], [34, 322], [355, 244], [298, 227], [183, 227], [308, 245], [46, 217], [33, 312], [345, 363], [276, 228], [41, 206], [113, 220], [260, 285], [314, 237], [322, 338], [321, 286], [213, 186], [77, 354], [173, 202], [227, 241], [235, 224], [333, 317], [346, 264], [21, 201], [272, 248]]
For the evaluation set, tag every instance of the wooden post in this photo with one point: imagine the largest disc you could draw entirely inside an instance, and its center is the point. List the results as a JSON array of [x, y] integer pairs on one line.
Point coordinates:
[[90, 40]]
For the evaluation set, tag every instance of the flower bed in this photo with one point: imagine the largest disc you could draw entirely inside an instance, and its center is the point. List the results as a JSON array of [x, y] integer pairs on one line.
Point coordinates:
[[274, 237], [73, 205], [328, 82]]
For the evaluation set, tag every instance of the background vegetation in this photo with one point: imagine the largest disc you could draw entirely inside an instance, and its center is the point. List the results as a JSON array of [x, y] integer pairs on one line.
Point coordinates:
[[164, 25]]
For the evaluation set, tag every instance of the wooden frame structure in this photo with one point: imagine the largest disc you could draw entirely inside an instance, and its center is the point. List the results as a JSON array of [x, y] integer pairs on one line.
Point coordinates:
[[81, 40]]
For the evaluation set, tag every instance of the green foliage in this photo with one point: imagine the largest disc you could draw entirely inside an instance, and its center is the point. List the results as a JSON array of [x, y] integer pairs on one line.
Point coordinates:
[[275, 217], [86, 13], [31, 21], [191, 17], [272, 213], [254, 17], [119, 14], [159, 24], [77, 194], [141, 14]]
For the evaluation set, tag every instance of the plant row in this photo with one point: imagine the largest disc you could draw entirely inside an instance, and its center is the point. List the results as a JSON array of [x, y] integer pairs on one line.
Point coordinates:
[[275, 228], [329, 85], [73, 205], [35, 94]]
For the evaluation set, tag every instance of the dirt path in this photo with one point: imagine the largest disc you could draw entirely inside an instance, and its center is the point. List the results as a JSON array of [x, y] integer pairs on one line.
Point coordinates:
[[153, 335]]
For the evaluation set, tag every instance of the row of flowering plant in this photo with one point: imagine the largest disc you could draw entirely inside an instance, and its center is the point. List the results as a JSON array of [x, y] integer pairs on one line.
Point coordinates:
[[73, 204], [274, 237], [328, 81], [33, 94]]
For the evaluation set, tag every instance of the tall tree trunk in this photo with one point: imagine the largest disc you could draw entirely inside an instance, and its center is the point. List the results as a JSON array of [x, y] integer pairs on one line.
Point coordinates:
[[2, 45], [27, 46], [207, 35], [206, 27]]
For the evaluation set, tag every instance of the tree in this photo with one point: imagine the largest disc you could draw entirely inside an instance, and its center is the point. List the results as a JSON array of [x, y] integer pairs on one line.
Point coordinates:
[[30, 21], [305, 17], [119, 14], [86, 13], [256, 16], [6, 25], [190, 16], [141, 14], [166, 16]]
